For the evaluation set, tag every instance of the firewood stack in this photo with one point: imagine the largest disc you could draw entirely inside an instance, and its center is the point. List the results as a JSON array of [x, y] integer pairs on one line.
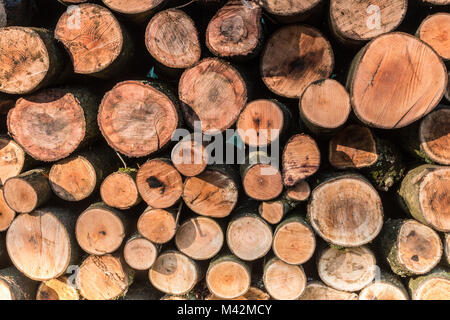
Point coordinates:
[[246, 150]]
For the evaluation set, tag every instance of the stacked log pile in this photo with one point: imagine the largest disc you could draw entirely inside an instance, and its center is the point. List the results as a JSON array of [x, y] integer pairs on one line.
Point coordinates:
[[216, 150]]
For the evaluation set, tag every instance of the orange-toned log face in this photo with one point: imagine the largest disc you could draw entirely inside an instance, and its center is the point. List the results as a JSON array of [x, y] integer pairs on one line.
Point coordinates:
[[91, 35], [12, 158], [136, 119], [132, 6], [24, 60], [393, 88], [157, 225], [7, 215], [214, 93], [189, 157], [119, 190], [48, 125], [382, 291], [262, 182], [435, 31], [228, 279], [433, 289], [284, 281], [140, 253], [294, 57], [434, 135]]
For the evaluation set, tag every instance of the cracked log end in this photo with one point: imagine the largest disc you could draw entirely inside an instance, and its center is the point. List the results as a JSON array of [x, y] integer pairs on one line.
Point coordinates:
[[434, 136], [157, 225], [189, 157], [300, 159], [212, 92], [102, 278], [140, 253], [119, 190], [435, 31], [393, 88], [200, 238], [57, 289], [211, 193], [346, 211], [284, 281], [349, 269], [136, 119], [159, 183], [12, 159], [294, 57], [172, 39], [316, 290]]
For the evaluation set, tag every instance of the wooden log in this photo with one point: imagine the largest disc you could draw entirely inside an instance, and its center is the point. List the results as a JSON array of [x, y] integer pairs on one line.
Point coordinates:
[[425, 194], [410, 247], [181, 298], [103, 278], [77, 177], [101, 229], [274, 211], [353, 23], [324, 106], [72, 2], [57, 289], [260, 178], [433, 286], [248, 236], [447, 92], [387, 287], [172, 39], [294, 57], [284, 281], [253, 294], [435, 2], [447, 248], [291, 11], [347, 269], [388, 91], [346, 211], [158, 225], [428, 139], [228, 277], [136, 10], [212, 193], [294, 241], [435, 31], [299, 192], [212, 92], [53, 123], [119, 189], [316, 290], [235, 31], [159, 183], [27, 191], [15, 286], [16, 12], [300, 159], [12, 159], [96, 42], [262, 122], [142, 291], [7, 215], [42, 244], [30, 60], [356, 147], [140, 253], [174, 273], [190, 156], [200, 238], [138, 118]]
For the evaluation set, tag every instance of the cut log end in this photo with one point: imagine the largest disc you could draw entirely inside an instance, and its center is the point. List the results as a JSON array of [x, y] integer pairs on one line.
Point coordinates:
[[333, 201], [434, 136], [20, 195], [318, 291], [447, 248], [49, 125], [174, 273], [190, 157], [271, 211], [353, 148], [300, 160], [157, 225], [92, 36], [235, 30], [362, 21], [285, 8], [200, 238], [435, 286], [159, 183], [136, 119], [253, 294], [349, 269], [119, 190], [12, 159], [131, 6], [57, 289], [299, 192], [25, 60], [262, 182], [435, 31], [228, 278], [7, 215], [379, 78], [214, 93], [212, 193], [294, 57], [140, 253], [324, 106], [99, 230], [6, 292], [102, 278], [284, 281], [249, 237], [382, 291], [172, 39]]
